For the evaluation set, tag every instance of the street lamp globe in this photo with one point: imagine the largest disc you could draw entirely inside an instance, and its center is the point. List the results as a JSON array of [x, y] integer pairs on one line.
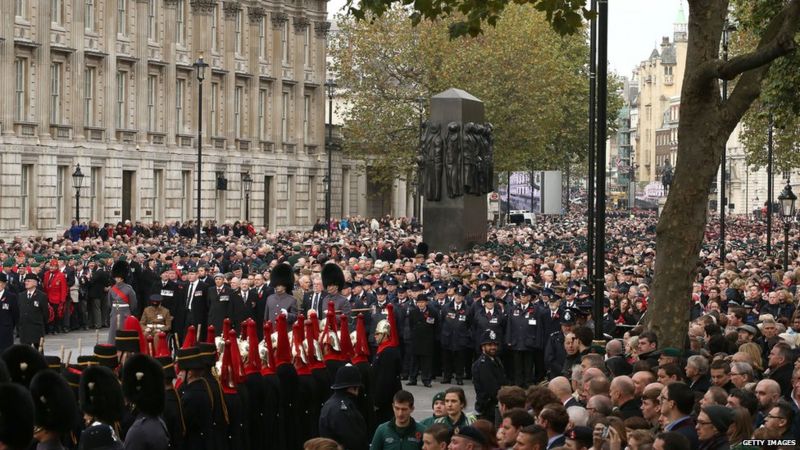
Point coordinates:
[[247, 182], [77, 177], [200, 65], [787, 199]]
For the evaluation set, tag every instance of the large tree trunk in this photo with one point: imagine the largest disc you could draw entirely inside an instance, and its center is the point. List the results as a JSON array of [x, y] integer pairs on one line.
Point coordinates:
[[705, 125]]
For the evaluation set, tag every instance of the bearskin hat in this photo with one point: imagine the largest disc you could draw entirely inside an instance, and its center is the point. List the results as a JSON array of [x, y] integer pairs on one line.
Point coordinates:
[[281, 275], [143, 384], [53, 402], [101, 395], [332, 275], [23, 363], [119, 269], [16, 416]]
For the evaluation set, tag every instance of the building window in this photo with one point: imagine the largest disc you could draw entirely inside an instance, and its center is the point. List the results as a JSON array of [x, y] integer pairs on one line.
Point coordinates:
[[88, 96], [213, 112], [25, 194], [122, 17], [158, 194], [152, 92], [21, 9], [20, 89], [262, 114], [238, 32], [55, 12], [262, 39], [180, 31], [307, 48], [121, 99], [285, 43], [61, 176], [214, 28], [152, 16], [55, 93], [237, 110], [285, 117], [88, 15], [306, 117], [180, 90], [186, 183], [94, 193]]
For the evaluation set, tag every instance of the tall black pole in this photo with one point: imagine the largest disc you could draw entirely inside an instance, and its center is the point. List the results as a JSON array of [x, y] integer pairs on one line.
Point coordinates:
[[785, 245], [78, 205], [590, 181], [508, 198], [600, 214], [247, 206], [329, 182], [723, 171], [420, 100], [770, 187], [532, 185], [199, 153]]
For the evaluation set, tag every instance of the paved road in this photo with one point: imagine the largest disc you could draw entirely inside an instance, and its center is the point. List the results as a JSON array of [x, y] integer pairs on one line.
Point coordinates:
[[53, 344]]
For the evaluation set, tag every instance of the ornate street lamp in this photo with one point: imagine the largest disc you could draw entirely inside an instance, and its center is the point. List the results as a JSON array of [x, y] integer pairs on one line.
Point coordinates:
[[77, 182], [330, 85], [200, 67], [247, 184], [787, 199]]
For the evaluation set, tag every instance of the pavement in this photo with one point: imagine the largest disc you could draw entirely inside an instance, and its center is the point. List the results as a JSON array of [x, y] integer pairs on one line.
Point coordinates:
[[82, 343]]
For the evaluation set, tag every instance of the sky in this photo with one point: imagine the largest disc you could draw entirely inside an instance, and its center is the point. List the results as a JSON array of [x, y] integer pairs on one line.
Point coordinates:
[[635, 27]]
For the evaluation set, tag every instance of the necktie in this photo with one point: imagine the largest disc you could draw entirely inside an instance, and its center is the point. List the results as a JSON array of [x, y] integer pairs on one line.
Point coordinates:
[[314, 302], [244, 296], [30, 294], [191, 294]]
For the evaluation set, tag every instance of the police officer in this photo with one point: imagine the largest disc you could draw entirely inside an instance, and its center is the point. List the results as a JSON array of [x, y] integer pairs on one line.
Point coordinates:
[[488, 375], [456, 338], [9, 314], [488, 317], [522, 338], [340, 418]]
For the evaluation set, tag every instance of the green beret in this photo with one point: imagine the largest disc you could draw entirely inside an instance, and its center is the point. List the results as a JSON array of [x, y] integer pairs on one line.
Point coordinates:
[[672, 352], [438, 397], [35, 264], [8, 262], [123, 258], [40, 258]]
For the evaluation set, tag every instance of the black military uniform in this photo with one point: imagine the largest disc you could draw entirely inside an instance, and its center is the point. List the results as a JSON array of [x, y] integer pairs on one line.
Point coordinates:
[[196, 401], [456, 337], [554, 353], [522, 338], [340, 418], [169, 295], [423, 337], [488, 375], [143, 387], [9, 314], [488, 317], [173, 409], [220, 304], [33, 314]]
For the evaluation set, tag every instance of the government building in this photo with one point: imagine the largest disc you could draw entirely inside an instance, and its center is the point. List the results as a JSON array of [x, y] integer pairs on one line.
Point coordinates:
[[111, 86]]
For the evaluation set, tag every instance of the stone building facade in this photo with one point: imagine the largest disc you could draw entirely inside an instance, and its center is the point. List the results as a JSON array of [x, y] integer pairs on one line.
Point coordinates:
[[110, 85]]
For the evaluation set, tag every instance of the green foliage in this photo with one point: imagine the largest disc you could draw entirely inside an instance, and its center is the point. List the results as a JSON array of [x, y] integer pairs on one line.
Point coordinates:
[[779, 97], [472, 16], [533, 83]]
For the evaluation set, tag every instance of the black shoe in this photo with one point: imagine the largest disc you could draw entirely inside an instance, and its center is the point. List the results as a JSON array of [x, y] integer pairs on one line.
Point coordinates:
[[412, 383], [446, 381], [427, 384]]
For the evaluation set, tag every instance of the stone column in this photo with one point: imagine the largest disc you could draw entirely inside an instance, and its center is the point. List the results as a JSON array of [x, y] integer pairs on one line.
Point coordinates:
[[141, 68], [7, 77], [77, 64], [255, 17], [231, 9], [41, 86], [110, 86], [300, 25], [278, 19], [201, 43], [170, 73], [321, 30]]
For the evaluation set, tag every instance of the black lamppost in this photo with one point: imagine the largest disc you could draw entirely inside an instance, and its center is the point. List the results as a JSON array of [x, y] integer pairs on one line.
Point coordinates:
[[770, 185], [787, 199], [330, 85], [77, 182], [200, 66], [727, 28], [247, 184]]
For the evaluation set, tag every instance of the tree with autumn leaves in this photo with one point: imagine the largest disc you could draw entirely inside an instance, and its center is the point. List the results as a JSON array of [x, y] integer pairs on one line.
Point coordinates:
[[532, 81], [706, 121]]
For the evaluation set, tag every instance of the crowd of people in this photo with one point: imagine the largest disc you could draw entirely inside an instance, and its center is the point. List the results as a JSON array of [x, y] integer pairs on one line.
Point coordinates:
[[250, 333]]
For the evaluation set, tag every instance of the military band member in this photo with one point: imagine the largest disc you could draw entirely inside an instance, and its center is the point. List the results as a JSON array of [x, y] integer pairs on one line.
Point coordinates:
[[121, 297]]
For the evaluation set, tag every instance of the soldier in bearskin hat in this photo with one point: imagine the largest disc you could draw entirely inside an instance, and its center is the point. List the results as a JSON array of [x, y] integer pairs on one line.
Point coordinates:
[[333, 281], [143, 387], [282, 280], [16, 417], [56, 412], [195, 398], [173, 410], [102, 404], [121, 297], [23, 362]]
